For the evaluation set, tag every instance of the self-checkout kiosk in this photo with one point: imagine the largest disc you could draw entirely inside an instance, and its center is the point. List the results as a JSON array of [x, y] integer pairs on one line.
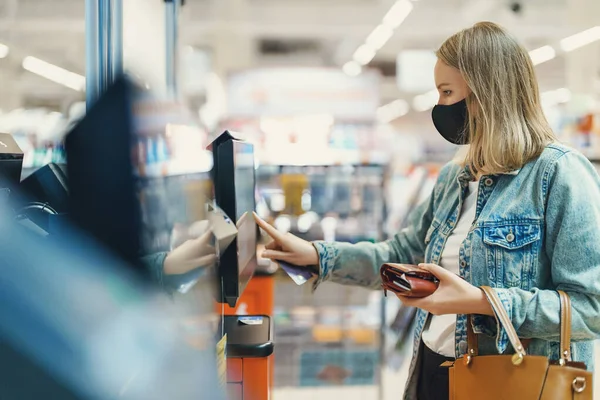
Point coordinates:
[[11, 163], [244, 342], [245, 301], [102, 198], [11, 159], [37, 198], [103, 201]]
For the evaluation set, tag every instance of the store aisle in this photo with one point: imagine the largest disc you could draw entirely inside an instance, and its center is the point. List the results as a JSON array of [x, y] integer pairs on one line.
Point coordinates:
[[393, 385]]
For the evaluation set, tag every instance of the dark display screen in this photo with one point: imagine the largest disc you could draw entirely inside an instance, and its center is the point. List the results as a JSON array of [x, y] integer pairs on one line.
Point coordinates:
[[234, 182], [245, 203]]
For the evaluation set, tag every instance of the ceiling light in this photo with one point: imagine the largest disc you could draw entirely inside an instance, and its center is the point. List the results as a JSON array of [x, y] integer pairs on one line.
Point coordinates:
[[542, 54], [426, 101], [364, 54], [54, 73], [395, 109], [3, 50], [352, 68], [379, 37], [397, 14], [580, 39]]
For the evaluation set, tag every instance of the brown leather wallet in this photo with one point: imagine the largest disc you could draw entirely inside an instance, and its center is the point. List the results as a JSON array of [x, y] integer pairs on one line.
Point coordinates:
[[407, 280]]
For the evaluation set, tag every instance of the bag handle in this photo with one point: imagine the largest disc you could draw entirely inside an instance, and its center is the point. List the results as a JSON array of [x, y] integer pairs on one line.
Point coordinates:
[[565, 328], [496, 303], [501, 314]]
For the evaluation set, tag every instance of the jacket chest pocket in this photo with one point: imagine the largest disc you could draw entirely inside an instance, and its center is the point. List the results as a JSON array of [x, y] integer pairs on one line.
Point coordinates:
[[512, 252]]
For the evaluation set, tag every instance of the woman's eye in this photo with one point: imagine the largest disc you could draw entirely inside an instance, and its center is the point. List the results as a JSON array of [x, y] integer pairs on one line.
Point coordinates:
[[447, 92]]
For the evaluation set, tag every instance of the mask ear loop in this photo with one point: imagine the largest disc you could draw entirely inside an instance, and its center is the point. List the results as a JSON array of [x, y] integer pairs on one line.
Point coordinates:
[[469, 104]]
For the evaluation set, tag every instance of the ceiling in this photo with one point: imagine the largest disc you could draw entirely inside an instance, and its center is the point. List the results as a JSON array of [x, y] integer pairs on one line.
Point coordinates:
[[272, 32]]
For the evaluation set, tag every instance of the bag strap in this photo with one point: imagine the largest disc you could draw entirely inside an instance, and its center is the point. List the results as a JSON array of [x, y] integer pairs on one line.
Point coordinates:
[[502, 316], [472, 341], [504, 320], [565, 327], [496, 303]]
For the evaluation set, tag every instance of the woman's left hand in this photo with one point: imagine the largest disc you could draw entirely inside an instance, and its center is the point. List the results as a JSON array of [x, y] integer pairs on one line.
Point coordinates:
[[454, 295], [192, 254]]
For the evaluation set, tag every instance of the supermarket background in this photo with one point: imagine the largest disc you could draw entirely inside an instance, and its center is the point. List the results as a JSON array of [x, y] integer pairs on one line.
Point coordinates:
[[335, 95]]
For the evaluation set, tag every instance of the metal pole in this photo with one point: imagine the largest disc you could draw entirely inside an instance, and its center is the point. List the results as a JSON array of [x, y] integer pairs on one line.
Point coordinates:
[[92, 67], [172, 29], [117, 38], [105, 28], [104, 46]]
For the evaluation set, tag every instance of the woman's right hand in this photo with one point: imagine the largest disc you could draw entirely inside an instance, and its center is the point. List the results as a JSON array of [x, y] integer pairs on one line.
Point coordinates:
[[287, 247]]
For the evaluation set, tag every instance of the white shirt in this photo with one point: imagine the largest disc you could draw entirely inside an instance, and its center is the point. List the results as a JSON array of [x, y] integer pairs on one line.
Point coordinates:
[[439, 334]]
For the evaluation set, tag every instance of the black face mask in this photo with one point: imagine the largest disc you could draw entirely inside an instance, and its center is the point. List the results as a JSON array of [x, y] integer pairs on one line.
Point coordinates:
[[451, 121]]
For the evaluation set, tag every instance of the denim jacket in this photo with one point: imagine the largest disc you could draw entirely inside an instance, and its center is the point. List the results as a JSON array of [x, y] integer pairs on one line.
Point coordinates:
[[536, 230], [170, 283]]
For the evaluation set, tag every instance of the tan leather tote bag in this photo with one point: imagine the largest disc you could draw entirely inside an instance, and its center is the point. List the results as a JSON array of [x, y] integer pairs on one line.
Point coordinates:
[[519, 376]]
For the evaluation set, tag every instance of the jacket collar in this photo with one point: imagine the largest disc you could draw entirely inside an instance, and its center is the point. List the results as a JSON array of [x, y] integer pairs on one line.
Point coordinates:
[[466, 175]]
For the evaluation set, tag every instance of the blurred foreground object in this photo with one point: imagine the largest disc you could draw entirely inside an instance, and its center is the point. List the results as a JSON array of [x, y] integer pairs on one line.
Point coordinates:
[[76, 323]]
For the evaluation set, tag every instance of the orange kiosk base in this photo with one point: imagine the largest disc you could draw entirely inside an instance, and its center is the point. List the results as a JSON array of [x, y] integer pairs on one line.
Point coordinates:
[[250, 377], [257, 298], [249, 349]]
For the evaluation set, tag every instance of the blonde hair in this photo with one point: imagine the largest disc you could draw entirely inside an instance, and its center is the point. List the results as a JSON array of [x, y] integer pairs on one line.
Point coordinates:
[[506, 125]]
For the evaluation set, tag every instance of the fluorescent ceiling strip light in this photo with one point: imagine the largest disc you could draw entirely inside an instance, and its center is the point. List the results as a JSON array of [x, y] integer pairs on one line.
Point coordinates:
[[397, 14], [379, 37], [426, 101], [54, 73], [581, 39], [364, 54], [3, 50], [395, 109], [542, 54], [352, 68]]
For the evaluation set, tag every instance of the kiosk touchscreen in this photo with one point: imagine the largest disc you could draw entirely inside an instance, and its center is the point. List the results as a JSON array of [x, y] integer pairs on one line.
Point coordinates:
[[234, 185]]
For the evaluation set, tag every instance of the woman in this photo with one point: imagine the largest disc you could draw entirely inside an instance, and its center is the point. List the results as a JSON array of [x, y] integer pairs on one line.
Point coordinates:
[[519, 213]]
